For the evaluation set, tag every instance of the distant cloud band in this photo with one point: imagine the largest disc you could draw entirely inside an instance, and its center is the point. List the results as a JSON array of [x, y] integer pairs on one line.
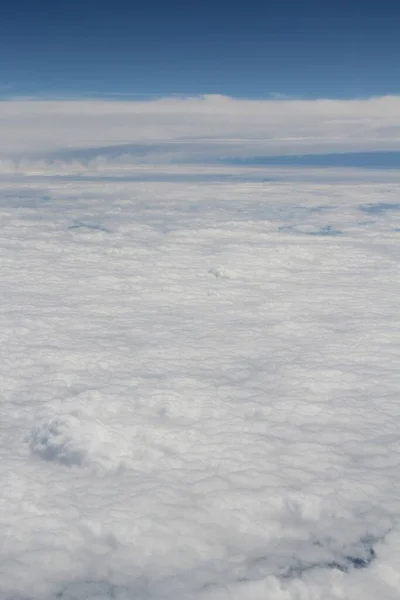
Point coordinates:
[[196, 128]]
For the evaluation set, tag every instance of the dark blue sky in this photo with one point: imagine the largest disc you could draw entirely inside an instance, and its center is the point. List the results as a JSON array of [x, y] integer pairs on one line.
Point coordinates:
[[247, 49]]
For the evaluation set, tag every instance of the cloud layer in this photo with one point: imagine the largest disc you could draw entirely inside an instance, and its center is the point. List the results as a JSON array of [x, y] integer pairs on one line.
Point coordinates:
[[199, 391], [195, 129]]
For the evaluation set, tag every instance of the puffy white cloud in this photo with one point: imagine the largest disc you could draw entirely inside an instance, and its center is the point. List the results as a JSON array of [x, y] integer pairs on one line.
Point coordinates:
[[199, 391], [197, 128]]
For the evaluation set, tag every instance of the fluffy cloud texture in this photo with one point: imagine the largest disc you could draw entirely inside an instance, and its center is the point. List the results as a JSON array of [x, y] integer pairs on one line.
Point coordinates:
[[194, 129], [199, 391]]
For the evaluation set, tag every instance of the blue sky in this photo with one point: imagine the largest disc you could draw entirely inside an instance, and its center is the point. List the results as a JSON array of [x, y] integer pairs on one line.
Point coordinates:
[[245, 49]]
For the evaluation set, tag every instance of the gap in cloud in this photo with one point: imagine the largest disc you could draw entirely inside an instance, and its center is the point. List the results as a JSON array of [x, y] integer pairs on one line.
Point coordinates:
[[387, 160], [365, 160], [379, 208]]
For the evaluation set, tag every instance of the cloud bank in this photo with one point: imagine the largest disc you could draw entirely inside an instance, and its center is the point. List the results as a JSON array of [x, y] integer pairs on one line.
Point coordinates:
[[197, 129]]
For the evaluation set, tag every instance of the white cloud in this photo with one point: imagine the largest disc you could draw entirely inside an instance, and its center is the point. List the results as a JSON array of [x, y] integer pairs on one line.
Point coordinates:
[[198, 128], [199, 391]]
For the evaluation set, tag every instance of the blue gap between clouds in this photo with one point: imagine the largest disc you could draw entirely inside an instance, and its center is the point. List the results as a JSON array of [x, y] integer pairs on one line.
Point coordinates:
[[363, 160]]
